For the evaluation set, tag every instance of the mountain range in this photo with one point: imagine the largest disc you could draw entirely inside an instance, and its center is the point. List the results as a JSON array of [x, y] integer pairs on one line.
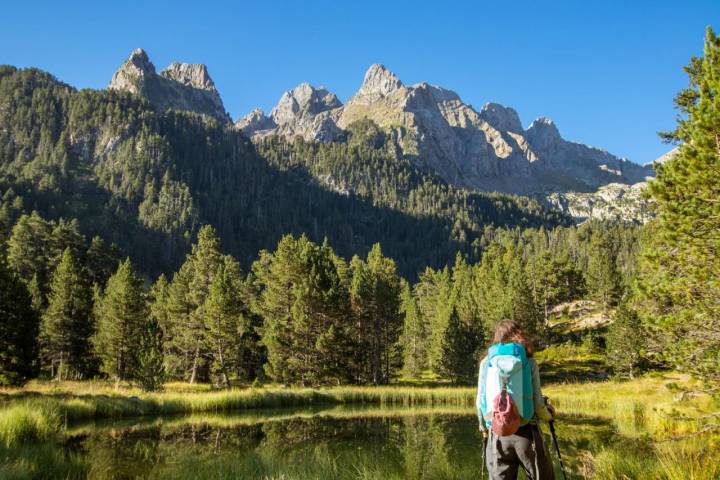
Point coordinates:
[[146, 161], [486, 150]]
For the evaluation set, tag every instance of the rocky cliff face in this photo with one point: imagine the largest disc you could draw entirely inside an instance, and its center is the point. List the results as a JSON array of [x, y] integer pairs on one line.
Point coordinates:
[[305, 110], [181, 86], [615, 201], [487, 150]]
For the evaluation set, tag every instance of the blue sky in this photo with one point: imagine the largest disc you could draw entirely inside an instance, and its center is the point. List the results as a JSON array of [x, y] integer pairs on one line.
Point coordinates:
[[605, 71]]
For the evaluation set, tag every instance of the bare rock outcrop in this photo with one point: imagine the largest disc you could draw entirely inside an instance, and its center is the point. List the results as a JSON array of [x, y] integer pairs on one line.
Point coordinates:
[[487, 150], [181, 86]]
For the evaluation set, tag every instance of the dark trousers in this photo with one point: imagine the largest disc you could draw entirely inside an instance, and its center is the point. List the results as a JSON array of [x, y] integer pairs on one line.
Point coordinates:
[[525, 449]]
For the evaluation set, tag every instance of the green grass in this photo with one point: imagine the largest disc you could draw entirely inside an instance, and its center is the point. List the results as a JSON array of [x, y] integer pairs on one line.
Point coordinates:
[[655, 434], [609, 430], [28, 422], [32, 416]]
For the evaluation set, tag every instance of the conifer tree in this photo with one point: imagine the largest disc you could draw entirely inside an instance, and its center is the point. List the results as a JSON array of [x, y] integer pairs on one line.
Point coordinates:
[[67, 322], [173, 312], [66, 235], [158, 298], [150, 372], [224, 322], [680, 271], [121, 316], [28, 252], [186, 334], [18, 329], [520, 302], [433, 294], [624, 341], [36, 295], [458, 361], [555, 279], [414, 336], [306, 313], [603, 278], [374, 297], [102, 260]]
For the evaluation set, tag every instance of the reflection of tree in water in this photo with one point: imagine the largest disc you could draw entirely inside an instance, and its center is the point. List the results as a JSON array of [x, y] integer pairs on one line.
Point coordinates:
[[122, 453], [320, 430], [440, 447], [334, 447], [134, 452], [423, 447]]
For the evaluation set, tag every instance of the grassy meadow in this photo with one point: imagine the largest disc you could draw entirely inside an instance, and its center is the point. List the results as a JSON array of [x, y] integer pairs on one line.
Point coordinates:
[[642, 428]]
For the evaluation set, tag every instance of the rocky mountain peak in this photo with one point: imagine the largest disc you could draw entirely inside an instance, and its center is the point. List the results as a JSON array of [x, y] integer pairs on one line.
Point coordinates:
[[191, 74], [485, 150], [501, 117], [181, 86], [255, 121], [543, 133], [378, 82], [303, 100], [140, 59], [132, 74]]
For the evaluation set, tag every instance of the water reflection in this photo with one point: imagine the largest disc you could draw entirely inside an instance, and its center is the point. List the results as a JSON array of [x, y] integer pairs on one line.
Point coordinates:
[[339, 443]]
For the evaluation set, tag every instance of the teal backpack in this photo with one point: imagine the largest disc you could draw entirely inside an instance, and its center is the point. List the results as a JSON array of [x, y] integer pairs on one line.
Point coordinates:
[[505, 372]]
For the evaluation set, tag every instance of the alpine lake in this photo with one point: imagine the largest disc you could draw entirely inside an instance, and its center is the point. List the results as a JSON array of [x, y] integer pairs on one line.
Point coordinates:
[[341, 442]]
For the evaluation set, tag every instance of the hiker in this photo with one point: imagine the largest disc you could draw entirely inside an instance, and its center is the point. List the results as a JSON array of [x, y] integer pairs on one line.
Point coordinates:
[[509, 404]]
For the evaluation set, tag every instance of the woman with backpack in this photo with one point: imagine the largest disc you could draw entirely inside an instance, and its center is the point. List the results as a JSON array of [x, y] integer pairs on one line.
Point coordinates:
[[510, 404]]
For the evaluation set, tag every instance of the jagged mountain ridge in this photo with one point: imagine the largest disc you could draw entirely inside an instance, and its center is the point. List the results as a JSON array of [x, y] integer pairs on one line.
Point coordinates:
[[486, 150], [180, 86], [146, 179]]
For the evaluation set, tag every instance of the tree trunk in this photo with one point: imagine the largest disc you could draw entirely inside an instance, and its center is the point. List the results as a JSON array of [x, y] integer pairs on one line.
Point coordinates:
[[60, 370], [223, 369], [196, 360]]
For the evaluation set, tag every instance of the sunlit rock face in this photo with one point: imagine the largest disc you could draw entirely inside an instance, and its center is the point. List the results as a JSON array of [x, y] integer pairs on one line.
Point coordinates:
[[181, 86], [487, 150], [614, 202]]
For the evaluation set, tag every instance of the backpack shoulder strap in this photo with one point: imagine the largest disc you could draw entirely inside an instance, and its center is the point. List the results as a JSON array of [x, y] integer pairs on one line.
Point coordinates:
[[481, 402], [528, 393]]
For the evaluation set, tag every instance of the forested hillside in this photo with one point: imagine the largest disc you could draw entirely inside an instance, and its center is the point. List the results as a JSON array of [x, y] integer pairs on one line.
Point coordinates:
[[300, 315], [272, 266], [147, 181]]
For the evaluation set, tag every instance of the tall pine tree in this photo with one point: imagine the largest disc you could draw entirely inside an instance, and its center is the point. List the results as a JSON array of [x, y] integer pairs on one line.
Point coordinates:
[[460, 343], [624, 341], [18, 329], [680, 271], [67, 322], [414, 335], [224, 321], [121, 316], [375, 297], [186, 332], [306, 313], [603, 279]]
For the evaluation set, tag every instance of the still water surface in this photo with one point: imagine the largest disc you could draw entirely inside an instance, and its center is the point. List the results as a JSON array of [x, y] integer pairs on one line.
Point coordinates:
[[337, 443]]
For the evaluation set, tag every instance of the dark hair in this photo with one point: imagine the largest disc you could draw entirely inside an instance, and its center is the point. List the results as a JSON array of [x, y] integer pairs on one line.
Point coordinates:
[[507, 331]]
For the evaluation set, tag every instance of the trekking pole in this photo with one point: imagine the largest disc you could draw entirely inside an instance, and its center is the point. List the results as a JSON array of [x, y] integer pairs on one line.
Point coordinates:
[[557, 448], [484, 446], [554, 438]]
